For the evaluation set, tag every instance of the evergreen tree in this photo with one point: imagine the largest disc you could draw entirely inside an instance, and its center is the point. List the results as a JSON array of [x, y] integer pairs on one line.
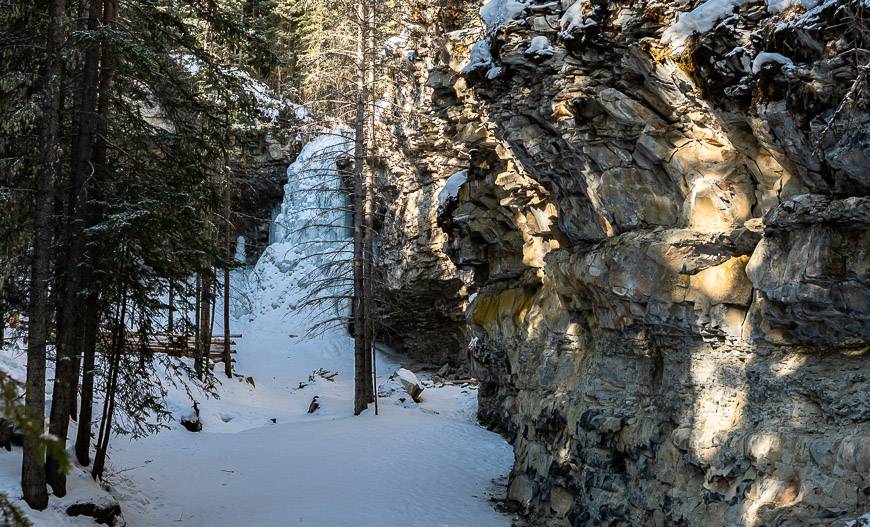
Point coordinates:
[[112, 122]]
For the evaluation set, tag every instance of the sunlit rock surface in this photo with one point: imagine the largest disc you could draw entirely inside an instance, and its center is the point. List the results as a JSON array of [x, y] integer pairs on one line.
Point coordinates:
[[662, 251]]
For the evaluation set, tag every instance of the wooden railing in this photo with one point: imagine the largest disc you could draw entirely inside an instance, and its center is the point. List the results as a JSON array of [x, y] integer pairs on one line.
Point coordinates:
[[179, 345]]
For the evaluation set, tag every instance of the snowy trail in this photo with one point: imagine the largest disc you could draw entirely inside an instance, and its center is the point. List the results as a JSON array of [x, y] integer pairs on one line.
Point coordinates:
[[262, 459], [424, 465]]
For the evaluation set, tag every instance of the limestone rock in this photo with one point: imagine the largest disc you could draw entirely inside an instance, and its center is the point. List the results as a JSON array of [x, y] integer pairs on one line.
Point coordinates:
[[658, 265]]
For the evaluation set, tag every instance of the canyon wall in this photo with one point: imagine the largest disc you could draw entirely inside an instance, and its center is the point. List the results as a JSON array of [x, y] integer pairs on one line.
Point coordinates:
[[650, 234]]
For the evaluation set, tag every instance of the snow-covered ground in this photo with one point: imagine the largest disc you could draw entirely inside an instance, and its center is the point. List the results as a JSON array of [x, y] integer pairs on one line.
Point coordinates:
[[262, 459], [416, 465]]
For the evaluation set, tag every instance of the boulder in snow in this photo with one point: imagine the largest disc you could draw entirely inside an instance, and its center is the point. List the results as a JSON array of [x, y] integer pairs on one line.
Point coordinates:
[[105, 513], [192, 422], [314, 406], [411, 384]]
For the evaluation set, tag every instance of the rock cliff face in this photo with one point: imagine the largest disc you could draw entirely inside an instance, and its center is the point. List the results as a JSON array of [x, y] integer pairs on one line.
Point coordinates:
[[260, 190], [655, 219]]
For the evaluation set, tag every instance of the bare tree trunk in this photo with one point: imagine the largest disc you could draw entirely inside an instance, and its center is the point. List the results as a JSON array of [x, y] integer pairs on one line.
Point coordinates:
[[83, 436], [205, 321], [119, 342], [2, 326], [359, 291], [73, 386], [33, 479], [99, 159], [84, 147], [144, 354], [369, 211], [170, 325], [228, 364], [197, 340], [207, 356]]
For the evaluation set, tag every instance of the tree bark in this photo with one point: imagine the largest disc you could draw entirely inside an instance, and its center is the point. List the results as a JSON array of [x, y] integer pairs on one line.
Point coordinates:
[[170, 325], [205, 320], [119, 341], [33, 479], [228, 364], [99, 158], [207, 356], [83, 436], [70, 334], [369, 212], [197, 321], [361, 381]]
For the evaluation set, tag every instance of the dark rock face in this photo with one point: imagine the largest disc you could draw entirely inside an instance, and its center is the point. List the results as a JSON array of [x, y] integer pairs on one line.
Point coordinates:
[[425, 293], [663, 246], [260, 188], [255, 203]]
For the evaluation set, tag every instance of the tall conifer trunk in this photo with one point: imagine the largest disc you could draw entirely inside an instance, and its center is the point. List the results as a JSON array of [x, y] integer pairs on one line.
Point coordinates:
[[170, 324], [83, 436], [228, 364], [197, 323], [205, 321], [369, 209], [71, 332], [99, 159], [33, 479], [361, 381]]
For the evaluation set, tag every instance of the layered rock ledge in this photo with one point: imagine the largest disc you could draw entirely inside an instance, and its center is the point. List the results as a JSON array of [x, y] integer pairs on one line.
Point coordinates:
[[652, 243]]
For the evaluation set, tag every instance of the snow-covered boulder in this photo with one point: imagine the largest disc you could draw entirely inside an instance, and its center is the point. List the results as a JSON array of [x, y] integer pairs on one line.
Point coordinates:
[[411, 384]]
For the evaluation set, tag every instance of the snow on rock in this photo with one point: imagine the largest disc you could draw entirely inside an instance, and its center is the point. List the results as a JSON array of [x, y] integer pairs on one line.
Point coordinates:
[[811, 17], [778, 6], [574, 20], [540, 47], [481, 60], [410, 383], [300, 113], [241, 250], [499, 13], [699, 20], [495, 14], [494, 72], [705, 17], [269, 106], [766, 57], [396, 43]]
